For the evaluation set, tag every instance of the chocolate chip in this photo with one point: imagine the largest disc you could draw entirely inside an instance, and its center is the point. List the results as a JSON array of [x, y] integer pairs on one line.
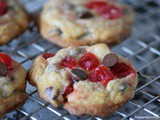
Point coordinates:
[[123, 87], [11, 79], [52, 93], [49, 92], [10, 7], [110, 60], [56, 31], [68, 6], [3, 69], [125, 11], [57, 94], [79, 74], [85, 15], [80, 50]]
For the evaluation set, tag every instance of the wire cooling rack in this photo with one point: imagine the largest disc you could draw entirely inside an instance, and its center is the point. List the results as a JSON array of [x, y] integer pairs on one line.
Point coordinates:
[[142, 48]]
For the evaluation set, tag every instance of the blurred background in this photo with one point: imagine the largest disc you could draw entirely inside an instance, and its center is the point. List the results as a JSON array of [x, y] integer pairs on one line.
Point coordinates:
[[142, 48]]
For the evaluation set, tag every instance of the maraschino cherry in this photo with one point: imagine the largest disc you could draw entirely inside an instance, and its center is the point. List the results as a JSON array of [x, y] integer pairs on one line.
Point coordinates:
[[3, 8]]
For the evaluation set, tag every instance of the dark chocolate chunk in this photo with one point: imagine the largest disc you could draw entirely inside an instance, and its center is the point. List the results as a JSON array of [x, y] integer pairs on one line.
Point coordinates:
[[3, 69], [85, 15], [110, 60], [56, 31], [79, 74]]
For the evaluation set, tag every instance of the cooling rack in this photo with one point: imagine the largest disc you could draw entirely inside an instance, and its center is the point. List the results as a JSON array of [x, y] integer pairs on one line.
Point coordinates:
[[142, 48]]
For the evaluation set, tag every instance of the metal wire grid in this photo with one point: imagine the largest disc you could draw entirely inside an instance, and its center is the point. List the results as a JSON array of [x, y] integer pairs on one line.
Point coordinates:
[[142, 48]]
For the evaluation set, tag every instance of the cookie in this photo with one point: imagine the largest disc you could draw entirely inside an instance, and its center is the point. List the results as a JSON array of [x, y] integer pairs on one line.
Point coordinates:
[[88, 80], [85, 22], [13, 20], [12, 84]]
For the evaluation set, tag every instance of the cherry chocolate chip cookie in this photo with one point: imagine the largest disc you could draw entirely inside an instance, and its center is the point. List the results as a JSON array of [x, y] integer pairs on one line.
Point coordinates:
[[85, 22], [13, 20], [87, 80], [12, 84]]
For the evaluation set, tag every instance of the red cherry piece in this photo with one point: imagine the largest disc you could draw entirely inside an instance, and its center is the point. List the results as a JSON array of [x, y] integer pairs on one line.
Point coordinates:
[[4, 58], [122, 70], [48, 55], [98, 5], [68, 90], [3, 8], [89, 62], [101, 74], [111, 12], [68, 62]]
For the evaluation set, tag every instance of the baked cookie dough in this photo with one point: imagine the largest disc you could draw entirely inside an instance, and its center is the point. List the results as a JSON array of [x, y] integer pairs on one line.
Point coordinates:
[[12, 84], [13, 20], [85, 22], [87, 80]]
